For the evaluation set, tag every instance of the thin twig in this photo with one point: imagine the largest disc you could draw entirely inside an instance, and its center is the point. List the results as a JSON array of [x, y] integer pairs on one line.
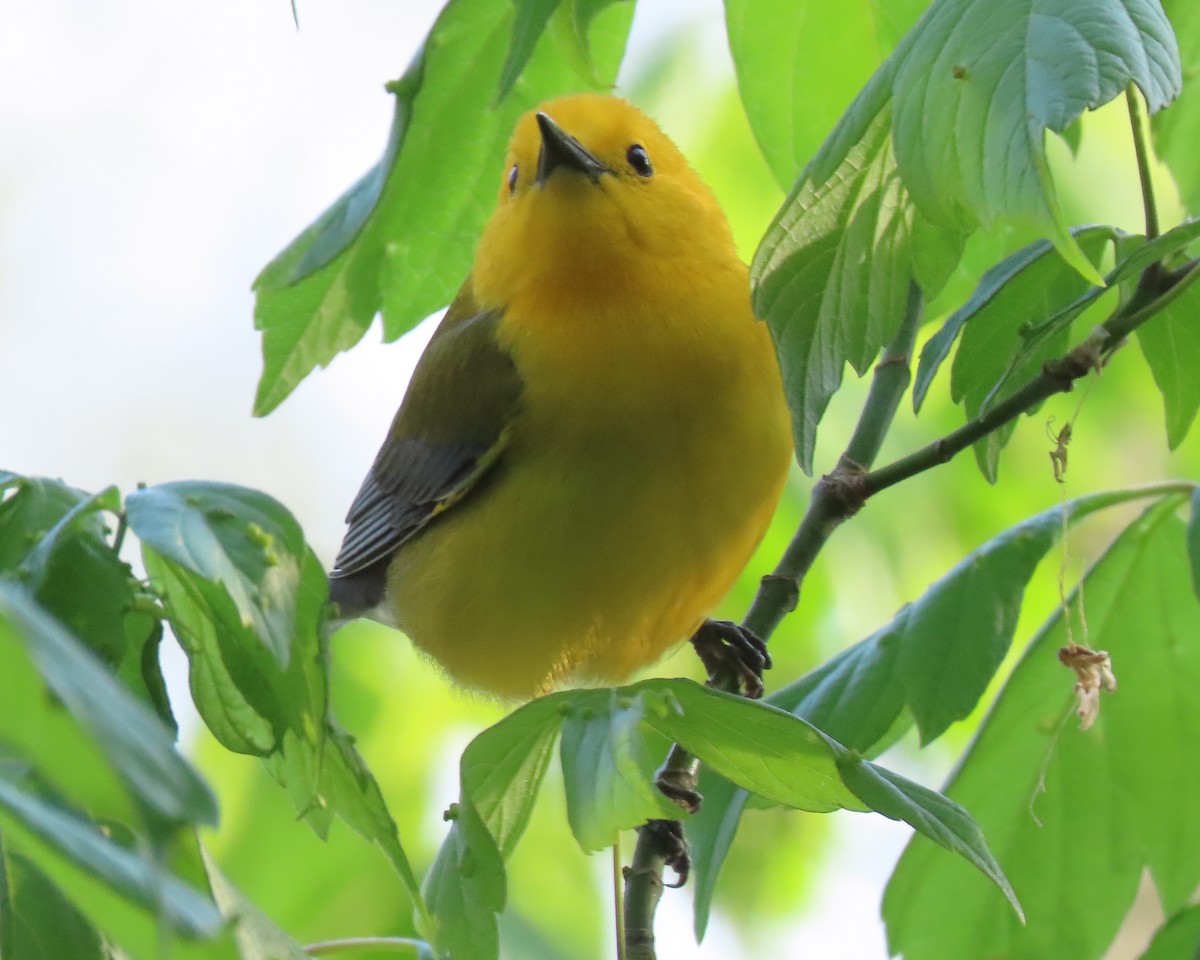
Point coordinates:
[[618, 880], [366, 945], [1137, 120]]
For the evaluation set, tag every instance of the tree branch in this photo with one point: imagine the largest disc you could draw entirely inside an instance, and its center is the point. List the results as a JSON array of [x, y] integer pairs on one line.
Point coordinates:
[[777, 596]]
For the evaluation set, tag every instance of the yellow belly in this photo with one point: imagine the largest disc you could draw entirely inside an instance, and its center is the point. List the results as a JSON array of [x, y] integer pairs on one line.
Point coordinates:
[[622, 510]]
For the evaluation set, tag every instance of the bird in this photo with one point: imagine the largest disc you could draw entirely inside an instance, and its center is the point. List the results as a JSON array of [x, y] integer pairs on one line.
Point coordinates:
[[595, 439]]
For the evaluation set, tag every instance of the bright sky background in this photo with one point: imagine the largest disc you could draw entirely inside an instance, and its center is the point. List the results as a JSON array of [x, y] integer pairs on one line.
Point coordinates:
[[155, 156]]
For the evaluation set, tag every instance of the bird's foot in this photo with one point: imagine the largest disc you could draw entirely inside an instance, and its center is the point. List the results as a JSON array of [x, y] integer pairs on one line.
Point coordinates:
[[730, 651], [679, 786], [672, 846]]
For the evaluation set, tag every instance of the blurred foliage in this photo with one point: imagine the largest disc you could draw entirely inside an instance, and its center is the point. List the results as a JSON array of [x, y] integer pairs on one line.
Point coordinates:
[[100, 815]]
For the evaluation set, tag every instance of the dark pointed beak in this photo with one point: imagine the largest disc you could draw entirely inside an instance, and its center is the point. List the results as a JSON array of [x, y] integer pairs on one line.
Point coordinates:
[[562, 151]]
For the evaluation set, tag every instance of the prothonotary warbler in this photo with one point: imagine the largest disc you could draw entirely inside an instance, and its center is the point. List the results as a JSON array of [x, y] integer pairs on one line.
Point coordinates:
[[595, 439]]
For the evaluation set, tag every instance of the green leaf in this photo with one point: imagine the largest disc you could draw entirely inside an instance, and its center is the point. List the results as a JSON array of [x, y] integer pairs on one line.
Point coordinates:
[[1135, 257], [608, 773], [932, 815], [29, 508], [991, 362], [785, 759], [36, 921], [75, 575], [344, 786], [1177, 130], [1193, 541], [245, 595], [1025, 287], [900, 182], [1073, 838], [258, 938], [932, 662], [529, 24], [831, 275], [1170, 343], [1178, 938], [391, 243], [500, 774], [710, 834], [131, 737], [234, 538], [758, 747], [990, 80], [828, 47], [48, 835]]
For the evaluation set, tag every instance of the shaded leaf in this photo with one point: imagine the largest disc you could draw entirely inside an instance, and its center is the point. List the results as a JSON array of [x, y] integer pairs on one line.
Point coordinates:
[[832, 273], [932, 662], [1177, 130], [32, 822], [1073, 838], [1135, 256], [36, 921], [932, 815], [1170, 343], [29, 508], [1027, 286], [985, 80], [1178, 938], [131, 737]]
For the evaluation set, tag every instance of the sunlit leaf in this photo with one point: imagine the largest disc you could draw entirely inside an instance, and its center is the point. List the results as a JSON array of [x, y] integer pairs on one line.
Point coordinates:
[[391, 243], [500, 774], [257, 937], [799, 64], [1072, 836], [130, 736], [608, 773], [903, 178]]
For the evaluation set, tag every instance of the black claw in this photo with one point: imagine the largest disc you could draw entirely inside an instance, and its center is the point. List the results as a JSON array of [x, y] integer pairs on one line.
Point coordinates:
[[672, 845], [729, 649], [679, 786]]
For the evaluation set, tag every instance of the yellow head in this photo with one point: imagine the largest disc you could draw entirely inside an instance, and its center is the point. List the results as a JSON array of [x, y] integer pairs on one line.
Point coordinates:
[[594, 192]]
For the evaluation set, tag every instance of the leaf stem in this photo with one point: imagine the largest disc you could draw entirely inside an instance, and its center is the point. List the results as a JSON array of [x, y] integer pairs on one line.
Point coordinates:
[[403, 946], [1138, 121], [119, 537], [618, 880]]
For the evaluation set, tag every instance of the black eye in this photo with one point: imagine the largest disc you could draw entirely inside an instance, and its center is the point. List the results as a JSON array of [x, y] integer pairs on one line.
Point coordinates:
[[512, 179], [639, 159]]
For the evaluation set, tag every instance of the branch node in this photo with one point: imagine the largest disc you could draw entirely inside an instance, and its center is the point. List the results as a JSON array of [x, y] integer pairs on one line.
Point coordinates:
[[845, 487]]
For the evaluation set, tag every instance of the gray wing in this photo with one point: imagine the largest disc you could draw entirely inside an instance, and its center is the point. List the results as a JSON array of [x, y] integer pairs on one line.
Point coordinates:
[[450, 429]]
